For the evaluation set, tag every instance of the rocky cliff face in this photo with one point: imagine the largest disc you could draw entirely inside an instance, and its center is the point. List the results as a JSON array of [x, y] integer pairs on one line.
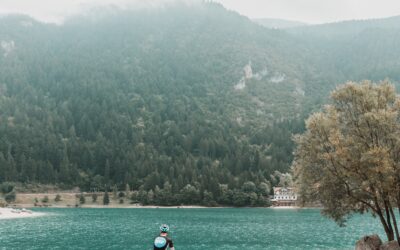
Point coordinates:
[[373, 242]]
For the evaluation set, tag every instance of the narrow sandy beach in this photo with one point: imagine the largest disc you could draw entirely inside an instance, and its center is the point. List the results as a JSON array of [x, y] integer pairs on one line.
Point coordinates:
[[286, 207], [7, 213]]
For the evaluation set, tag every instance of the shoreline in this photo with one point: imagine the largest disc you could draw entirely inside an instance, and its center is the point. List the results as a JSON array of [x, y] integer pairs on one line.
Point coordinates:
[[130, 206], [9, 213], [289, 207], [159, 207], [72, 200]]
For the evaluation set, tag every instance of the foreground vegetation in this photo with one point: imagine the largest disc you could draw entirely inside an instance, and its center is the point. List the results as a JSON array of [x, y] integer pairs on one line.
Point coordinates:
[[348, 158]]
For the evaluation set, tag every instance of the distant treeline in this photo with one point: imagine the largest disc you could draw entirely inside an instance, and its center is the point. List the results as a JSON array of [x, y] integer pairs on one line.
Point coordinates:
[[198, 167]]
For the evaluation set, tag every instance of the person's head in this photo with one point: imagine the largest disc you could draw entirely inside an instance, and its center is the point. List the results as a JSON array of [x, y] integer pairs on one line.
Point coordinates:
[[164, 228]]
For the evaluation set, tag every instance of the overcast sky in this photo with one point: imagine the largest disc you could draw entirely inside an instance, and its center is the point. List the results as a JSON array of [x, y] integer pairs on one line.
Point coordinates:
[[310, 11]]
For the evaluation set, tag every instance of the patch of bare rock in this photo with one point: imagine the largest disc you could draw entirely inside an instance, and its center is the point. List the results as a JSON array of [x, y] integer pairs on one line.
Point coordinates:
[[373, 242]]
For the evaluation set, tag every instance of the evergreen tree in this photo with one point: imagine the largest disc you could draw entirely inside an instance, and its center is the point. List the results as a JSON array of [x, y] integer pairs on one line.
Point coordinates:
[[64, 172], [82, 199], [57, 198], [94, 198], [106, 198]]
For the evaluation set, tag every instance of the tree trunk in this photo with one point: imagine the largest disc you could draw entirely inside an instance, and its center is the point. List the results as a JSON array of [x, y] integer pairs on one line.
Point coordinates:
[[389, 234], [389, 223], [398, 201], [396, 229]]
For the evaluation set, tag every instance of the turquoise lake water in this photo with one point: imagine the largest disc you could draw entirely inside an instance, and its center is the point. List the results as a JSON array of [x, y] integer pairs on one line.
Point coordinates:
[[191, 229]]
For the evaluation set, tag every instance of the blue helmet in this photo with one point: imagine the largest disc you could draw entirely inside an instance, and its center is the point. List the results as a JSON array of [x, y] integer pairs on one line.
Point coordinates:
[[160, 242], [164, 228]]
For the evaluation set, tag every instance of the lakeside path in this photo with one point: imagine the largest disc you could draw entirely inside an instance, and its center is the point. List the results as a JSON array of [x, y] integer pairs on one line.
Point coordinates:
[[7, 213], [71, 200], [126, 206]]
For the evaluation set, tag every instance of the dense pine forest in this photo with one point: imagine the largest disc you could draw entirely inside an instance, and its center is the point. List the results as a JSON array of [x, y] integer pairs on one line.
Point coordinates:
[[190, 104]]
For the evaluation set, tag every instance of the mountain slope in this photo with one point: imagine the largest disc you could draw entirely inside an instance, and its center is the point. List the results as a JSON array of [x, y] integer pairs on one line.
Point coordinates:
[[147, 100], [274, 23], [356, 50], [182, 101], [347, 28]]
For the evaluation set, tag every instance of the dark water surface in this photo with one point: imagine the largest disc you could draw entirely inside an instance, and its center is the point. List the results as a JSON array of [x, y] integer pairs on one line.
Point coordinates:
[[191, 229]]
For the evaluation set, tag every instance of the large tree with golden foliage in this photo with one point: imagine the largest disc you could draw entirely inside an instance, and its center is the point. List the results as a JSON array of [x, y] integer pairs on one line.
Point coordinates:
[[349, 157]]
